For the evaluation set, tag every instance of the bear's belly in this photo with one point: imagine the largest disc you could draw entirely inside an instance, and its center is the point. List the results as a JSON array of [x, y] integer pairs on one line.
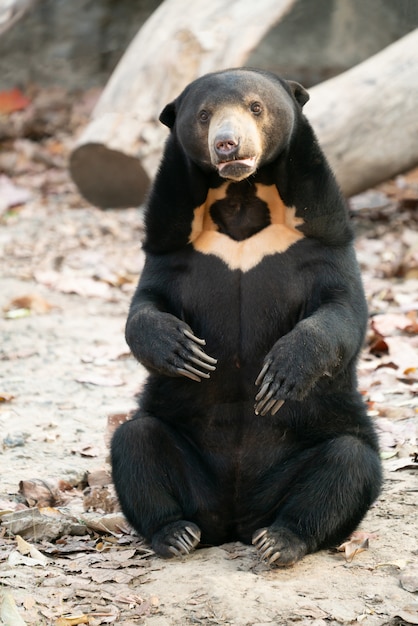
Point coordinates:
[[239, 314]]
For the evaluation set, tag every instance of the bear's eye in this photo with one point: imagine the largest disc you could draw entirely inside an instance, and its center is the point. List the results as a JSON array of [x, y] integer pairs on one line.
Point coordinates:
[[256, 108], [203, 115]]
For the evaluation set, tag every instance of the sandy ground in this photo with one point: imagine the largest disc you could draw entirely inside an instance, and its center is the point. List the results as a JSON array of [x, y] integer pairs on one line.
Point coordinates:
[[67, 368]]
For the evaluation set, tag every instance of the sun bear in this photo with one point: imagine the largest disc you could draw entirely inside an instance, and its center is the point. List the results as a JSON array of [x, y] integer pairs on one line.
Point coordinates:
[[249, 316]]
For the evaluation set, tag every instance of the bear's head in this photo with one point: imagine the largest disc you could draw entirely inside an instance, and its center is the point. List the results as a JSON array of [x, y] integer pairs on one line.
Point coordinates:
[[236, 120]]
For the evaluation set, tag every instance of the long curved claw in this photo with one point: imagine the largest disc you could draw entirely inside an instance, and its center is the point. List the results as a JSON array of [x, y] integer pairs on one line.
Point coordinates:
[[264, 544], [183, 372], [266, 553], [279, 546], [204, 364], [184, 542], [262, 532], [185, 549], [263, 393], [274, 558], [193, 337], [262, 373], [203, 356], [194, 370], [277, 406], [196, 363], [196, 536], [265, 400]]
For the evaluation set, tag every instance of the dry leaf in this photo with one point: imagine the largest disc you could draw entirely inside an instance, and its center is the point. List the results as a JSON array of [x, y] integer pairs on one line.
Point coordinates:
[[10, 195], [113, 523], [32, 524], [15, 559], [101, 498], [26, 548], [377, 341], [39, 493], [101, 381], [99, 478], [409, 613], [87, 451], [12, 100], [72, 620], [29, 603], [409, 579], [402, 353], [8, 612], [114, 420], [31, 302], [358, 542], [6, 397], [80, 285], [388, 324], [405, 463]]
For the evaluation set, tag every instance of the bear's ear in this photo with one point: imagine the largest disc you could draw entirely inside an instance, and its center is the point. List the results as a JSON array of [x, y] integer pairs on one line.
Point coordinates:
[[299, 92], [168, 114]]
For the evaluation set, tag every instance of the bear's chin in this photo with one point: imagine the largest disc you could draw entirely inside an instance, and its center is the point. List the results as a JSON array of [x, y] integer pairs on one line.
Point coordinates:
[[238, 169]]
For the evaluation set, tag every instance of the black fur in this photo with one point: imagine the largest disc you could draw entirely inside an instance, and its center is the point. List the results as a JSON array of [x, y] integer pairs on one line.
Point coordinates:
[[197, 462]]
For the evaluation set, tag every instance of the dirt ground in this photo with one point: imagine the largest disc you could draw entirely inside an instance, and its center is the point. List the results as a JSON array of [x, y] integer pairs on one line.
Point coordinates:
[[68, 272]]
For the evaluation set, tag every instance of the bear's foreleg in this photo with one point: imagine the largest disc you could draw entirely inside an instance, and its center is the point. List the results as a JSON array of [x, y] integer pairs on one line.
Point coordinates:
[[320, 345]]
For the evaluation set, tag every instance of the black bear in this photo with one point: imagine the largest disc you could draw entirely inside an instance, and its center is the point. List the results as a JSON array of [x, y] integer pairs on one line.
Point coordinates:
[[249, 316]]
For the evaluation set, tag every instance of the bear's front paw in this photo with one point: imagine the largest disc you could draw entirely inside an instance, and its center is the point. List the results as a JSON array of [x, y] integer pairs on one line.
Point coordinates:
[[169, 346], [190, 360], [279, 546], [176, 539], [284, 376]]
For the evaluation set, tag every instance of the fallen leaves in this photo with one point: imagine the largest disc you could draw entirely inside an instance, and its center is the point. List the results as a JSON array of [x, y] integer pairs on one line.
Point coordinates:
[[12, 100], [409, 579], [6, 397], [9, 613], [358, 542], [101, 381], [409, 613], [27, 304], [41, 524], [39, 493], [11, 195], [79, 285], [25, 548]]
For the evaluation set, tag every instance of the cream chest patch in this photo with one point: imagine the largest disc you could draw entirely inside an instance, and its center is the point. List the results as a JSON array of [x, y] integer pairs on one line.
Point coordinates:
[[277, 236]]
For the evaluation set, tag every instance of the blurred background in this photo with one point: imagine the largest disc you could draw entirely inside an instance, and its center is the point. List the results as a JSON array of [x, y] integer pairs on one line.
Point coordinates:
[[77, 44]]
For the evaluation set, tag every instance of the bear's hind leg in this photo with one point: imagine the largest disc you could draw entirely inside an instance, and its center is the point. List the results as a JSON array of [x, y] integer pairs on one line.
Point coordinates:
[[160, 483], [335, 486]]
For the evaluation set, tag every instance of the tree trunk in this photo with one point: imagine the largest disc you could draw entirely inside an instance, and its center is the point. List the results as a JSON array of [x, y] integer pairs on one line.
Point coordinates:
[[366, 119], [118, 153]]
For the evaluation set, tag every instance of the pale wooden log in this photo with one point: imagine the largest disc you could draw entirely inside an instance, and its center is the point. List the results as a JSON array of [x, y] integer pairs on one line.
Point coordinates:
[[11, 11], [118, 153], [366, 119]]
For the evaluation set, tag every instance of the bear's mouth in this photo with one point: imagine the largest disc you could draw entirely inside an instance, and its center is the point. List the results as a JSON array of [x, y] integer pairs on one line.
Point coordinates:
[[237, 169]]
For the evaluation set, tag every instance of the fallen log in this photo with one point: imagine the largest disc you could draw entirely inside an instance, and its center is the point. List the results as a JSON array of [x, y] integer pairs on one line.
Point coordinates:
[[11, 11], [366, 118], [118, 153]]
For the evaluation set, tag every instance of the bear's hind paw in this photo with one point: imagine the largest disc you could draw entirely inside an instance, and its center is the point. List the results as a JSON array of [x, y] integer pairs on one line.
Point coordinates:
[[176, 539], [279, 546]]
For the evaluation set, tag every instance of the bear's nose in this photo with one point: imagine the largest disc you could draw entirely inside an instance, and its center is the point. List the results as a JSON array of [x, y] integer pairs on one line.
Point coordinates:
[[226, 146]]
